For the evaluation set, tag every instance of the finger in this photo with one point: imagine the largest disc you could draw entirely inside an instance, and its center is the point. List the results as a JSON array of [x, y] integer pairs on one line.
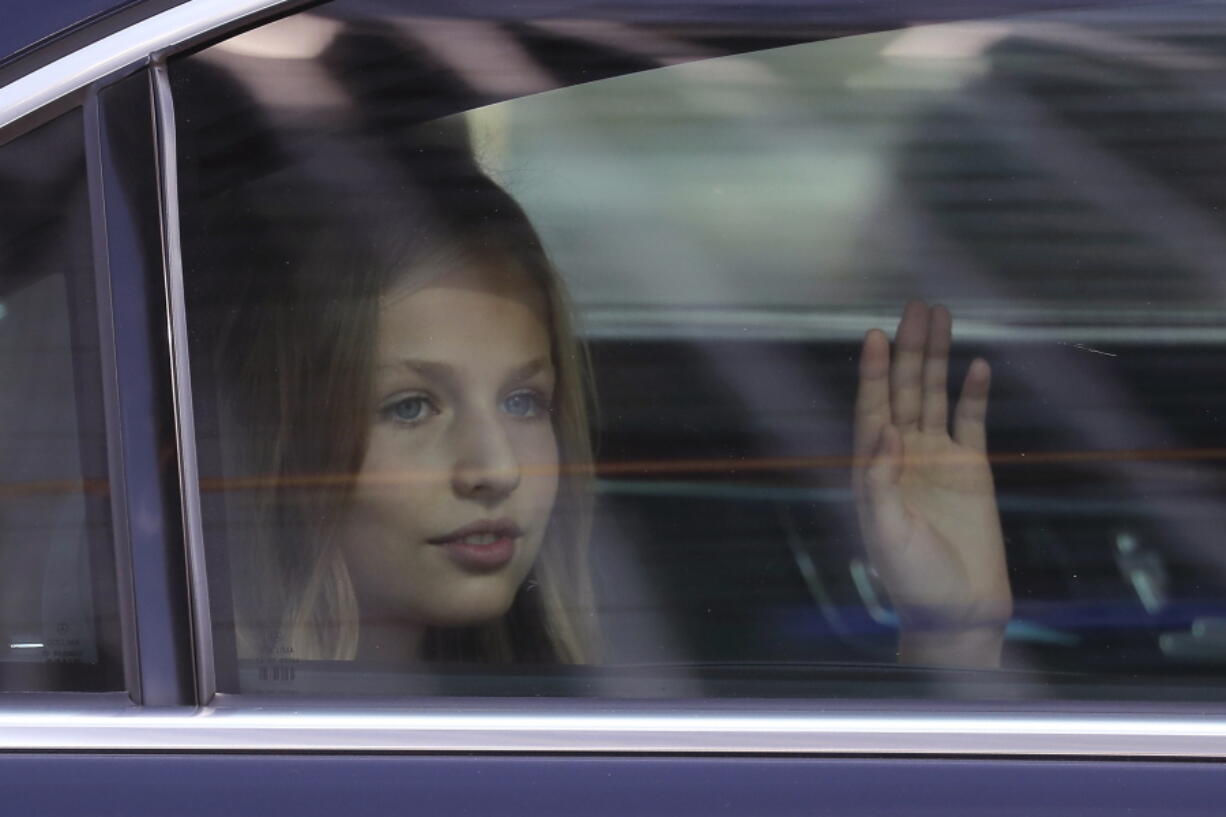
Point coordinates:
[[934, 410], [873, 395], [886, 508], [971, 414], [906, 387]]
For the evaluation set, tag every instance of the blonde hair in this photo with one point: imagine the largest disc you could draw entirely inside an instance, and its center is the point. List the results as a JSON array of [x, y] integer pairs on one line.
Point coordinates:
[[294, 358]]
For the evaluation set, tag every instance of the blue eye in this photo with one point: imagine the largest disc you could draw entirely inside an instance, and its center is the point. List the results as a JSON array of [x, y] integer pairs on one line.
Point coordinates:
[[524, 404], [409, 409]]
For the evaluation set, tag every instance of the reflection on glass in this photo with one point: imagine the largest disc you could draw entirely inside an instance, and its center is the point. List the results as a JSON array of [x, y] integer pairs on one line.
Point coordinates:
[[56, 573], [395, 407]]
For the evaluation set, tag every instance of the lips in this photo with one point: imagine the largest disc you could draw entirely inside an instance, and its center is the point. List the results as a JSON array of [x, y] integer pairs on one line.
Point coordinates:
[[482, 546]]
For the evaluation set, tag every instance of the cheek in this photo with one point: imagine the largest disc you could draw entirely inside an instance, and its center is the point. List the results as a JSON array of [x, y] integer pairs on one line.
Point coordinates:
[[396, 485], [538, 456], [394, 504]]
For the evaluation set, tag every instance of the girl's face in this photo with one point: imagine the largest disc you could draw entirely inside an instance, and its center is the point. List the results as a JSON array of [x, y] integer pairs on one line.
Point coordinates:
[[459, 480]]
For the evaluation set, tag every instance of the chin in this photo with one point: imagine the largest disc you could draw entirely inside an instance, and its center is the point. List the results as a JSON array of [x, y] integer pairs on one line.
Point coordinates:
[[481, 611]]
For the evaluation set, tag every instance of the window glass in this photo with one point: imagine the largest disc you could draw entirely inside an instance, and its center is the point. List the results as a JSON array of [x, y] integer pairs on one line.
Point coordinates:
[[575, 393], [58, 629]]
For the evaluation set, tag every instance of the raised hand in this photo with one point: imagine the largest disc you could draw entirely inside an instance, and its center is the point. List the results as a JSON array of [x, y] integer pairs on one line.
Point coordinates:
[[925, 498]]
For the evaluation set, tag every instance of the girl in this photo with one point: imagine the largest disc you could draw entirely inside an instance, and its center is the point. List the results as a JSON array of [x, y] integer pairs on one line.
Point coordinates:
[[403, 397]]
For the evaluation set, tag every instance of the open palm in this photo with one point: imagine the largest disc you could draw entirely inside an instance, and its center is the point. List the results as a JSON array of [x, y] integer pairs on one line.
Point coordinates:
[[925, 498]]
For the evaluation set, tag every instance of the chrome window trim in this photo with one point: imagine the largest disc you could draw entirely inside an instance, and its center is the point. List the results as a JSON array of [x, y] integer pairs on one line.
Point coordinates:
[[171, 28], [606, 728]]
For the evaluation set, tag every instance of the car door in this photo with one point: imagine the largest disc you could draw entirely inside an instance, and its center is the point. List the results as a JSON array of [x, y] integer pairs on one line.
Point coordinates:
[[733, 195]]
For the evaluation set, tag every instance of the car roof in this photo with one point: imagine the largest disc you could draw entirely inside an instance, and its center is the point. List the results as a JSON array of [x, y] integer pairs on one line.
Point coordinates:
[[36, 32], [28, 22]]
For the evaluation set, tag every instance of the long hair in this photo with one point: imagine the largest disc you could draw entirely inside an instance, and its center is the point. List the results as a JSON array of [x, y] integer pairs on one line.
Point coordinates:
[[303, 261]]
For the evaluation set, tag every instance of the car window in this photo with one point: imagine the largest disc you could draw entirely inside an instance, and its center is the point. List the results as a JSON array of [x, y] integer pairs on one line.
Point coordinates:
[[58, 627], [574, 392]]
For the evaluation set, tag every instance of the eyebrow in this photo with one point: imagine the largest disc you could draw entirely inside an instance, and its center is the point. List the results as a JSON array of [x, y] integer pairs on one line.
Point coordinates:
[[441, 371]]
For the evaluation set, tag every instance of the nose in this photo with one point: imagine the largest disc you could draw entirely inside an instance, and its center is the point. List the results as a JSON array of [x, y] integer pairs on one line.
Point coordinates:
[[487, 467]]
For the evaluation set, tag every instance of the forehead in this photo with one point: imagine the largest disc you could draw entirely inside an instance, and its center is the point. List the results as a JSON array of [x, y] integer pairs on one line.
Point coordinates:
[[475, 307]]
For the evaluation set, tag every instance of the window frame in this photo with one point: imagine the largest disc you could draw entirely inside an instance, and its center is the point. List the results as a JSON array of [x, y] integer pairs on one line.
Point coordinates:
[[172, 704], [127, 269]]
